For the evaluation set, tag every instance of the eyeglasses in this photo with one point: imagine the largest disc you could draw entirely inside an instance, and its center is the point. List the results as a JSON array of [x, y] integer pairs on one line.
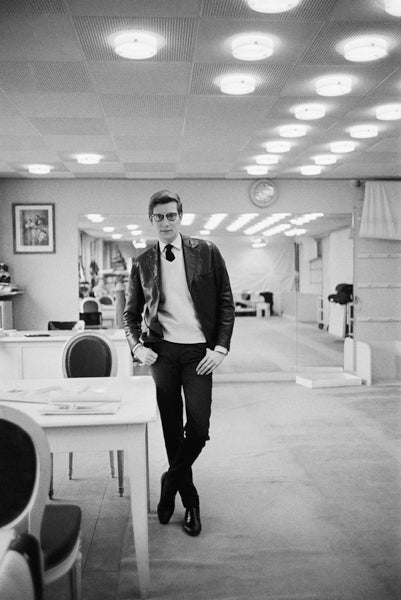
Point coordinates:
[[158, 217]]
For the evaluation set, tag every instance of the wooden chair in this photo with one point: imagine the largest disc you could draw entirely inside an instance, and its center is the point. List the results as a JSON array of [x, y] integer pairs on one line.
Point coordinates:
[[24, 478], [91, 354]]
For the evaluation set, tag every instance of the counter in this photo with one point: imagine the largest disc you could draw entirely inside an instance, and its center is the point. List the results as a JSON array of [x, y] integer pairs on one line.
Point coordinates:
[[38, 354]]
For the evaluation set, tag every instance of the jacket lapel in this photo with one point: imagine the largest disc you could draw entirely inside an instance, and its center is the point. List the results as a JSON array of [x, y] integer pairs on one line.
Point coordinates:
[[191, 257]]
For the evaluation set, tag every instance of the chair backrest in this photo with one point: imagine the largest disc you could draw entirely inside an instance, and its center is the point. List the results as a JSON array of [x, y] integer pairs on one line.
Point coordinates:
[[24, 471], [21, 575], [91, 319], [53, 325], [89, 354], [89, 305]]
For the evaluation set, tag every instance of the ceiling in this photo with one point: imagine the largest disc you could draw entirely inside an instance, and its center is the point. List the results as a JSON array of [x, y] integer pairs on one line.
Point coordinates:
[[64, 91]]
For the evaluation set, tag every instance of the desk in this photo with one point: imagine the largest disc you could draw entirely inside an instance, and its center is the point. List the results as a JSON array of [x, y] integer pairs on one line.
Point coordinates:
[[125, 430]]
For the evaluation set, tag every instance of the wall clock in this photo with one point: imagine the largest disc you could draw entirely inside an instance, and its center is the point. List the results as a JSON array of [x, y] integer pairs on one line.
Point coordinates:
[[263, 193]]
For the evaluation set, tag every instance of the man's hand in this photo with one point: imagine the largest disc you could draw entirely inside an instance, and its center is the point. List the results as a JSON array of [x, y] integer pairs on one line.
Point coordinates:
[[209, 362], [145, 355]]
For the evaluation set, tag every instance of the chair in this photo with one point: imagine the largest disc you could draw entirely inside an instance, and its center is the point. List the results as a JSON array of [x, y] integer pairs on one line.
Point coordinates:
[[24, 476], [106, 300], [60, 325], [91, 354], [21, 576], [90, 312]]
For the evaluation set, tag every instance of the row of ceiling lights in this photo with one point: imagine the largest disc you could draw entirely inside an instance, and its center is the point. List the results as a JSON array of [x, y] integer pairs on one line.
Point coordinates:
[[267, 227], [141, 45]]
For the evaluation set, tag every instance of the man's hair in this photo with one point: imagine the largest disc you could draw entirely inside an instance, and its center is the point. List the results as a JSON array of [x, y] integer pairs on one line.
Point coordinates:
[[164, 197]]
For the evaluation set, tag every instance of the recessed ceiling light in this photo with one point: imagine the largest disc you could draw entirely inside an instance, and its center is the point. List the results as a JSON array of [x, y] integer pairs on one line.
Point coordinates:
[[241, 221], [88, 159], [116, 236], [259, 243], [333, 85], [309, 111], [388, 112], [365, 48], [325, 159], [393, 7], [132, 226], [237, 84], [108, 229], [215, 220], [95, 217], [136, 45], [204, 232], [266, 159], [139, 243], [252, 46], [293, 130], [136, 232], [257, 170], [272, 6], [341, 147], [363, 131], [311, 170], [279, 146], [295, 232], [39, 169], [187, 218]]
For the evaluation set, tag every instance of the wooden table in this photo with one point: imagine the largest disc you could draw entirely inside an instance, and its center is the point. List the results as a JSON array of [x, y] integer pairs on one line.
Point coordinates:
[[125, 430]]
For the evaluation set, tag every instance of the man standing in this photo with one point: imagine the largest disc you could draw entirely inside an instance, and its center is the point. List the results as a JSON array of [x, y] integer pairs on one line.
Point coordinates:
[[178, 319]]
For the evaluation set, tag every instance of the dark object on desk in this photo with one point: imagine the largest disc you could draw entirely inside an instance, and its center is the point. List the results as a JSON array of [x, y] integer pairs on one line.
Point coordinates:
[[91, 354], [64, 325], [36, 334], [91, 319], [24, 478], [268, 297], [344, 293]]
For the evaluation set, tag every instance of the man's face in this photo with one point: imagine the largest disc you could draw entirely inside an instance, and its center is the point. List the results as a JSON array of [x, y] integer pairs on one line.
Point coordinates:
[[167, 230]]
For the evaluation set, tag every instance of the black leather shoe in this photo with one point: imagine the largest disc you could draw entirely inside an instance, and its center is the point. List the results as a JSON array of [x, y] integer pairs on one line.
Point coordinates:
[[165, 508], [192, 523]]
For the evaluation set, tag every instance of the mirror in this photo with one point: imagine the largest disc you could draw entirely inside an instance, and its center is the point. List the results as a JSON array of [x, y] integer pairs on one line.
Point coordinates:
[[276, 332]]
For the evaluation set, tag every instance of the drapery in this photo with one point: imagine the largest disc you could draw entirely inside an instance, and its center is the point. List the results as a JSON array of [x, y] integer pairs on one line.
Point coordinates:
[[381, 214]]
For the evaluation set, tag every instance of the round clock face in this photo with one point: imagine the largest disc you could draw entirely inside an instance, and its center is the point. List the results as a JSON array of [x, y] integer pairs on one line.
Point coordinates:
[[263, 193]]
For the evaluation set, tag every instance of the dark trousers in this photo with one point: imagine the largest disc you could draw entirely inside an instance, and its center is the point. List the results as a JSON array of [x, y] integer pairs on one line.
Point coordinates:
[[174, 372]]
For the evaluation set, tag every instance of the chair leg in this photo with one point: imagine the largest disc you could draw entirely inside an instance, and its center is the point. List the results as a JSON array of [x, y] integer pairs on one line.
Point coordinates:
[[51, 489], [75, 578], [120, 468], [112, 470], [70, 461]]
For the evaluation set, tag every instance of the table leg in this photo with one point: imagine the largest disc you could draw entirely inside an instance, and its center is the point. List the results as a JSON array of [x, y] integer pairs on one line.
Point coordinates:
[[136, 451]]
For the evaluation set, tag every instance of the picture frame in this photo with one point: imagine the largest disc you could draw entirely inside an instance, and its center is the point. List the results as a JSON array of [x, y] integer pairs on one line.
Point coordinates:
[[34, 228]]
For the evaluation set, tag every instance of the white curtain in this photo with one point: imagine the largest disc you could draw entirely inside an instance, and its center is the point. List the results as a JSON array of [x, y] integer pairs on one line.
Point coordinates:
[[381, 214]]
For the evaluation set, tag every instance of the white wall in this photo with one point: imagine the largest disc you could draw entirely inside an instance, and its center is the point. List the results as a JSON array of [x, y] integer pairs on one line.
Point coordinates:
[[50, 281]]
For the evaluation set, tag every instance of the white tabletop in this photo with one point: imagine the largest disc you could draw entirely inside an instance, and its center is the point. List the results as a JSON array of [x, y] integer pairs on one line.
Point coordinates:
[[138, 399]]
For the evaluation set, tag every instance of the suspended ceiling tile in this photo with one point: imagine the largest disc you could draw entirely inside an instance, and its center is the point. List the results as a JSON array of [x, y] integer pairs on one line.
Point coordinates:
[[131, 142], [229, 108], [42, 155], [51, 104], [143, 127], [135, 106], [42, 37], [15, 126], [69, 126], [44, 76], [141, 78], [21, 142], [135, 8], [29, 8], [141, 156], [102, 167], [95, 35], [78, 143]]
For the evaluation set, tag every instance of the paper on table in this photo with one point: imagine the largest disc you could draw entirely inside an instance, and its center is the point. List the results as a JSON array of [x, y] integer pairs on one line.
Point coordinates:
[[87, 408], [38, 396], [81, 396]]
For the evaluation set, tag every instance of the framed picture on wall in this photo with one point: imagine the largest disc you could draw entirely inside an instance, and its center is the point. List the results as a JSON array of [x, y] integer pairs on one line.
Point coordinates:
[[33, 228]]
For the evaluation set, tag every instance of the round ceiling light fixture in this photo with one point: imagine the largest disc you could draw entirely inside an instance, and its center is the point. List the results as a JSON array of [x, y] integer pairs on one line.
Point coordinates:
[[365, 49], [39, 169], [325, 159], [293, 131], [310, 170], [266, 159], [278, 146], [333, 85], [308, 112], [363, 131], [257, 170], [388, 112], [237, 84], [252, 46], [342, 147], [88, 159], [272, 6], [393, 7], [136, 45]]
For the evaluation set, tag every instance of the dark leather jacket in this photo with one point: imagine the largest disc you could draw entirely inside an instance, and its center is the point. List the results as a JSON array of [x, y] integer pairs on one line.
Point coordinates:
[[208, 284]]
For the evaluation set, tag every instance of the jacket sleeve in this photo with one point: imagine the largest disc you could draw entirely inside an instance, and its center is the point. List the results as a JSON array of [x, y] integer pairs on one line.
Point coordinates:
[[225, 302], [134, 307]]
